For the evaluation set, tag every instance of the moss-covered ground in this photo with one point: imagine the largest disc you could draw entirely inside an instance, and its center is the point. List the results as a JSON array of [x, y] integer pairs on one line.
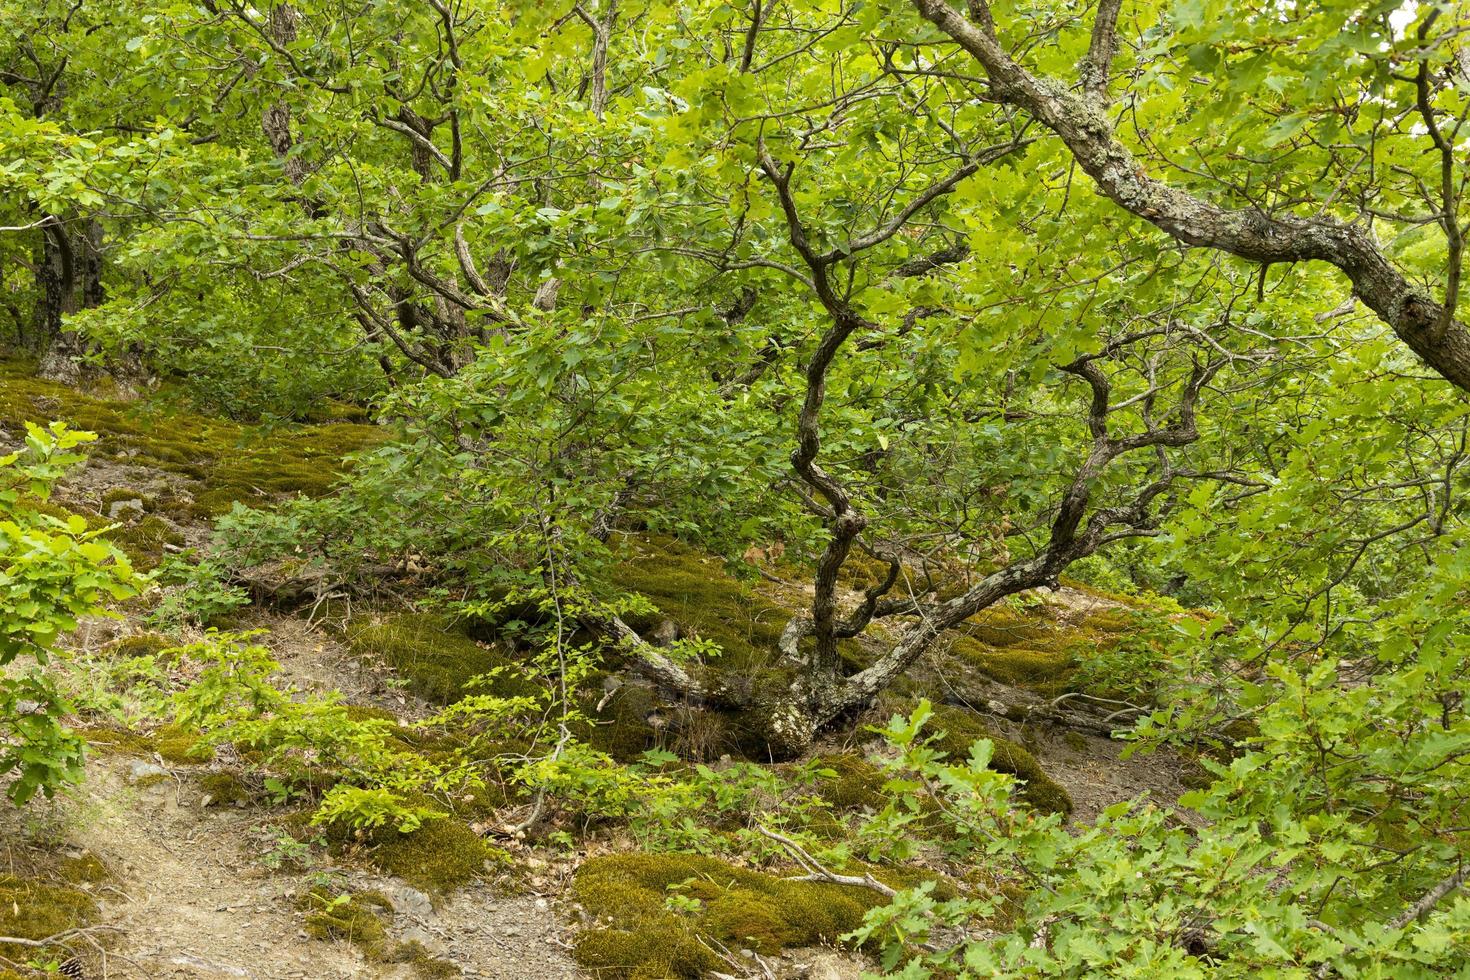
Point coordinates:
[[441, 856], [962, 729], [45, 895], [1035, 648], [361, 918], [654, 913], [214, 463], [435, 656], [696, 592]]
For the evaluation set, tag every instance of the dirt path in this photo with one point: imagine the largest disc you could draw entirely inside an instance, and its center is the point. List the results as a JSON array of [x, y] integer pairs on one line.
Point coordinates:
[[193, 899]]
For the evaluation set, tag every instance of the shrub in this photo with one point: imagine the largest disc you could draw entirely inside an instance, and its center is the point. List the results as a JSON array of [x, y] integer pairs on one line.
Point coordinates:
[[53, 571]]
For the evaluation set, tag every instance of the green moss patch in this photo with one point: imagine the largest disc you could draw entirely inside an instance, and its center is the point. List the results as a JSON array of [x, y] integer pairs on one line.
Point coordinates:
[[120, 741], [146, 540], [33, 909], [653, 910], [856, 785], [619, 721], [963, 728], [1023, 649], [138, 645], [425, 964], [182, 745], [1046, 671], [119, 495], [355, 918], [439, 857], [694, 590], [436, 657], [225, 461], [226, 789]]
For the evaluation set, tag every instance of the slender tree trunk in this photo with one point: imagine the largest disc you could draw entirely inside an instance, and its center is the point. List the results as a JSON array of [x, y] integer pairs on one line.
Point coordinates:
[[68, 280], [54, 275], [93, 294]]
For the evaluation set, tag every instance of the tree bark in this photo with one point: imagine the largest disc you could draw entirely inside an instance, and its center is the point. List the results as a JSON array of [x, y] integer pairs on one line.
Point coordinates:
[[68, 279], [55, 271], [1430, 330]]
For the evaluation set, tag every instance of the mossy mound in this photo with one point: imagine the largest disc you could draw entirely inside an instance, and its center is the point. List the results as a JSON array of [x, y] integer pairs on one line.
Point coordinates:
[[442, 855], [352, 917], [85, 868], [226, 789], [1045, 671], [1004, 626], [122, 495], [335, 410], [640, 935], [305, 462], [1023, 649], [856, 785], [182, 745], [33, 909], [621, 720], [146, 540], [963, 728], [227, 462], [360, 918], [138, 645], [693, 589], [171, 742], [658, 949], [435, 656], [425, 964], [120, 741], [1037, 651]]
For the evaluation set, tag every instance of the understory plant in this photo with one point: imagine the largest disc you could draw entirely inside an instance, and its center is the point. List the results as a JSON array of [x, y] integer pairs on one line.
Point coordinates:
[[53, 572], [1261, 886]]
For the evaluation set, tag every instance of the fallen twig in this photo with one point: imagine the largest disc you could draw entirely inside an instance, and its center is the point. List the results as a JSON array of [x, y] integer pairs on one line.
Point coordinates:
[[816, 872]]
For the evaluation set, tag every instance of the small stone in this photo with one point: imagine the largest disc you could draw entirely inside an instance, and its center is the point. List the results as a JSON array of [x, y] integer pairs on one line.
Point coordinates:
[[119, 506], [146, 770], [407, 900]]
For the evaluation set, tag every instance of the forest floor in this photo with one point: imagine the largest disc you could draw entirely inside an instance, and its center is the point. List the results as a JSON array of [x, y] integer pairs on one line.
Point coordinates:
[[198, 887], [194, 888]]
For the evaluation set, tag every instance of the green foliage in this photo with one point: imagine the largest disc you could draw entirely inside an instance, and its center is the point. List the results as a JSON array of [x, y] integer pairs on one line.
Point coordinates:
[[196, 591], [52, 573], [719, 809], [1121, 889], [586, 264], [959, 729], [367, 808]]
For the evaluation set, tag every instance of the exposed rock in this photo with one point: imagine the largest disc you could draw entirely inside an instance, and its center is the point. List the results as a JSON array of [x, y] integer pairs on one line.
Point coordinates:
[[118, 508], [409, 901], [142, 770]]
